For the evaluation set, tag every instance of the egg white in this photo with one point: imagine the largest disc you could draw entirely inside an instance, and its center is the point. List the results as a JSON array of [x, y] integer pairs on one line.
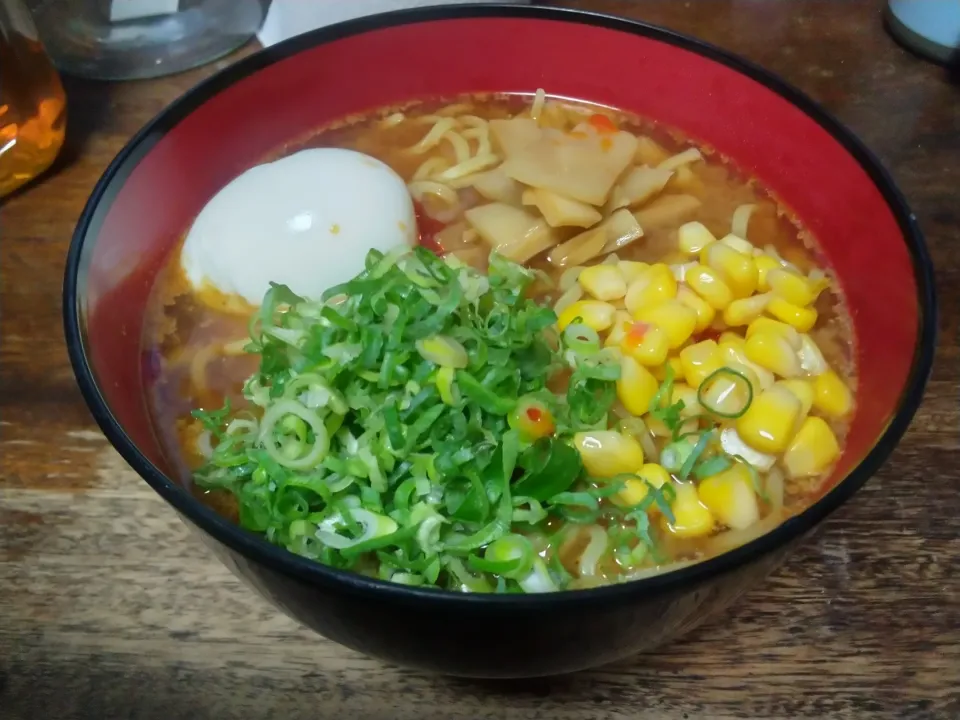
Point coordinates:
[[306, 221]]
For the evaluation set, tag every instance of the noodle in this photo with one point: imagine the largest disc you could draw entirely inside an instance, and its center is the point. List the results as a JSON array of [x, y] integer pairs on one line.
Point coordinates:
[[538, 102], [434, 136]]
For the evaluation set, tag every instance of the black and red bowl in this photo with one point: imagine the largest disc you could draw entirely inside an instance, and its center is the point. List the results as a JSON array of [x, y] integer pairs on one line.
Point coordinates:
[[163, 177]]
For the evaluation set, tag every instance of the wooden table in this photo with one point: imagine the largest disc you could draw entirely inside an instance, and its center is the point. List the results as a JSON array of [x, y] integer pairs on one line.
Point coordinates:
[[108, 609]]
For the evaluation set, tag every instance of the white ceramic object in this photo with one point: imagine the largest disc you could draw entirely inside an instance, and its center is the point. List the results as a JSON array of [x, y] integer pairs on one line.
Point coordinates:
[[287, 18]]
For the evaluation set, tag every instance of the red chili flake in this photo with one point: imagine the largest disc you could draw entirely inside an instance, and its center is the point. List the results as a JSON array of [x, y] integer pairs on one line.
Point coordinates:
[[534, 414]]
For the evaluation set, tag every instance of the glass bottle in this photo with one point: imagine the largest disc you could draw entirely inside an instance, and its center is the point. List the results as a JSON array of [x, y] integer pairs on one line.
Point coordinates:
[[33, 106], [127, 39]]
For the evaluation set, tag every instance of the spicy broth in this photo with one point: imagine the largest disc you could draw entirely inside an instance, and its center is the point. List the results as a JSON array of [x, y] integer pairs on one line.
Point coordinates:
[[196, 350]]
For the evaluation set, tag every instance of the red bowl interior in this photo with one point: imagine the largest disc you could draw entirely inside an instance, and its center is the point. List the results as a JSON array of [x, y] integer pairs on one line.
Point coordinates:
[[229, 124]]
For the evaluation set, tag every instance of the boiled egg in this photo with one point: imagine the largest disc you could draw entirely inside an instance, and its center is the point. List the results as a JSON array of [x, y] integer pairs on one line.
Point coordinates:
[[306, 221]]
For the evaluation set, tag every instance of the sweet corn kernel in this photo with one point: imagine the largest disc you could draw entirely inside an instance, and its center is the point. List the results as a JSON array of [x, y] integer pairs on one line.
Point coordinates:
[[792, 287], [604, 282], [728, 336], [688, 395], [607, 453], [811, 359], [691, 517], [813, 449], [699, 360], [802, 318], [765, 324], [592, 313], [636, 386], [803, 389], [831, 396], [730, 496], [622, 322], [734, 351], [692, 237], [770, 422], [673, 317], [655, 286], [705, 313], [774, 353], [745, 310], [765, 264], [636, 489], [738, 244], [645, 343], [632, 270], [709, 285], [739, 271], [660, 371]]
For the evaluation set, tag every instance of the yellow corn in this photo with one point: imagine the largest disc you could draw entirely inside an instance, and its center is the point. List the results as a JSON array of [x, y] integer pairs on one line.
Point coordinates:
[[636, 386], [655, 286], [673, 317], [831, 396], [730, 496], [774, 353], [622, 322], [636, 489], [811, 359], [645, 343], [607, 453], [592, 313], [691, 517], [705, 313], [813, 449], [802, 318], [803, 389], [739, 271], [730, 336], [738, 244], [792, 287], [604, 282], [765, 324], [631, 270], [710, 286], [733, 352], [687, 394], [660, 371], [692, 237], [745, 310], [699, 360], [765, 264], [770, 422]]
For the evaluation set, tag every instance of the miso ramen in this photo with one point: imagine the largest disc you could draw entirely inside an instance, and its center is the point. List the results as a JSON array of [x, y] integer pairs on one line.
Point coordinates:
[[606, 353]]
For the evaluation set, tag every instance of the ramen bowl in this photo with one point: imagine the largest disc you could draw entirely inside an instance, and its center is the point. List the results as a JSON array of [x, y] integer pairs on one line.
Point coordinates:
[[150, 194]]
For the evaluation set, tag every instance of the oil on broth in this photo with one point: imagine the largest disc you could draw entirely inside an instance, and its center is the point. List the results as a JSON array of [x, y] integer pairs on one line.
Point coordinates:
[[197, 349]]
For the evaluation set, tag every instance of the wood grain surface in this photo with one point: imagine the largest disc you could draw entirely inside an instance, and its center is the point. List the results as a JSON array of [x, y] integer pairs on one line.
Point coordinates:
[[109, 609]]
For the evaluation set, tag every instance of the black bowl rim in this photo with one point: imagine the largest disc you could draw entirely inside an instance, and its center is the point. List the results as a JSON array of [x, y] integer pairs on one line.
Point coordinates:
[[302, 569]]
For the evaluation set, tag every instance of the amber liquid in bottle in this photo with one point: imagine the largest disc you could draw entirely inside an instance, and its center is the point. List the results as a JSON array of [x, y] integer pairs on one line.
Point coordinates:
[[32, 101]]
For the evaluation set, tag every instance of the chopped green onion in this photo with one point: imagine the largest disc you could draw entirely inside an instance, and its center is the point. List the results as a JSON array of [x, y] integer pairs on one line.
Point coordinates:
[[580, 338], [712, 404]]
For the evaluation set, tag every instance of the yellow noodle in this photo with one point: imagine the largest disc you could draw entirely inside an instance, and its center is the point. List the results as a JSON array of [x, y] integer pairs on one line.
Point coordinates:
[[419, 188], [473, 165], [431, 167], [434, 136], [538, 102], [461, 148]]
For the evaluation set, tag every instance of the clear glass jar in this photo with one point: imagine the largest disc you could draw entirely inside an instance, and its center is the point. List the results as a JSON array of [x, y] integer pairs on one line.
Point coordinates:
[[33, 106], [126, 39]]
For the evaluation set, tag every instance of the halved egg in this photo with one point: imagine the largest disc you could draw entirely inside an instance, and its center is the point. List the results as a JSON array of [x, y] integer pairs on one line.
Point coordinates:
[[306, 221]]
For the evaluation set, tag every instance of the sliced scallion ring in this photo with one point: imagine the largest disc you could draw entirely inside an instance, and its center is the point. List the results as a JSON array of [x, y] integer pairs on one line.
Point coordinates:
[[712, 404], [582, 339]]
